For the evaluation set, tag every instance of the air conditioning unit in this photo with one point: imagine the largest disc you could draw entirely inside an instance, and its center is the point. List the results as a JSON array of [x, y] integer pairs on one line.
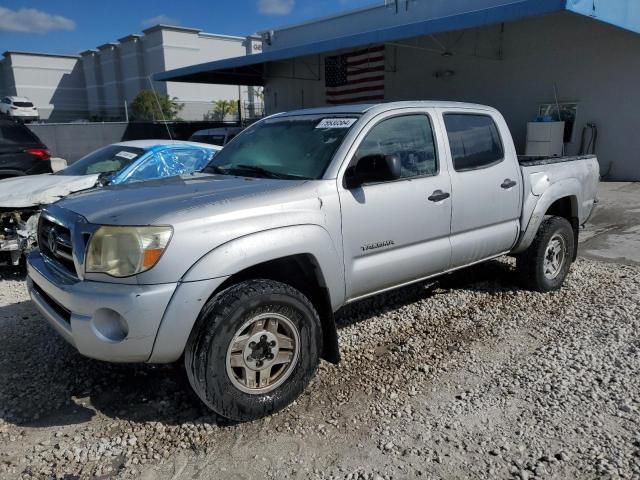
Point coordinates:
[[545, 139]]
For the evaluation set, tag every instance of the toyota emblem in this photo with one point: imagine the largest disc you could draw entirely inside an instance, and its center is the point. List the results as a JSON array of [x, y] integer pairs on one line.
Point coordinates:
[[52, 241]]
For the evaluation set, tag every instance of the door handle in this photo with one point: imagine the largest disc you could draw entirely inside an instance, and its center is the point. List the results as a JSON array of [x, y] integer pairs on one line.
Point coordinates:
[[439, 195], [508, 183]]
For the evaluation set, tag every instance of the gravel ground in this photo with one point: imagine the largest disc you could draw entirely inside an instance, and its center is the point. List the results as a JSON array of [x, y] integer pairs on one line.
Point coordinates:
[[465, 377]]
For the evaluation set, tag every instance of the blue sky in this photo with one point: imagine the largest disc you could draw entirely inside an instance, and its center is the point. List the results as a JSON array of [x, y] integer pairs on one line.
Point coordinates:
[[71, 26]]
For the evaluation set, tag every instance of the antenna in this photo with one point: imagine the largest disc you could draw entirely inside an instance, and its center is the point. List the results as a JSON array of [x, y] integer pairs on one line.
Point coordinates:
[[155, 95]]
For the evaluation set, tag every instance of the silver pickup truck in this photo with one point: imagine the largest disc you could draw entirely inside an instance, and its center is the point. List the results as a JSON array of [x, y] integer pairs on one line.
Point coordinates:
[[238, 270]]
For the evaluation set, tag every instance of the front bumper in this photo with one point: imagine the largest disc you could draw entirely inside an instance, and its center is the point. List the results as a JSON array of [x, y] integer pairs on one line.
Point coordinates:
[[107, 321], [18, 115], [117, 322]]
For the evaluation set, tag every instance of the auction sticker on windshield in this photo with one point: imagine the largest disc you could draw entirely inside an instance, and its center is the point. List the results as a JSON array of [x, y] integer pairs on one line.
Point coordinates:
[[336, 122], [127, 155]]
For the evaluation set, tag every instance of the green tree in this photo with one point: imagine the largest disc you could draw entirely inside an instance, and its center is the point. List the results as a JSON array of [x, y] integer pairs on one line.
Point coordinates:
[[147, 107], [222, 108]]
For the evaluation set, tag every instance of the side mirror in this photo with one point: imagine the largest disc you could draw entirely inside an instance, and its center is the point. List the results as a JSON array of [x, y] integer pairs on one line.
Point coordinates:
[[372, 169]]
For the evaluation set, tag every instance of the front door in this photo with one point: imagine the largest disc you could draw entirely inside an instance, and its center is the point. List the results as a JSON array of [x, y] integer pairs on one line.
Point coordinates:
[[397, 231], [486, 180]]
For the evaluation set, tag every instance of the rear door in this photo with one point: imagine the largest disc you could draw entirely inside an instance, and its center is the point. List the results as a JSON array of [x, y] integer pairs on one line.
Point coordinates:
[[486, 179], [392, 232]]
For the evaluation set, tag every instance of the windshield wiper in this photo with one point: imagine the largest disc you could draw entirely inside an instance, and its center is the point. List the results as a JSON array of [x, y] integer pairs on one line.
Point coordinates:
[[261, 171], [215, 169]]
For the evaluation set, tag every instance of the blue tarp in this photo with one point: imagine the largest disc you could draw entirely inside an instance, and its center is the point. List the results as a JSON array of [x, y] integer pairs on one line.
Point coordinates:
[[161, 162]]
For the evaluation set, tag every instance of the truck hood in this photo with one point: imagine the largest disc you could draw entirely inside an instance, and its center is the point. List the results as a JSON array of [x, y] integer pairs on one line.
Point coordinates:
[[167, 200], [37, 190]]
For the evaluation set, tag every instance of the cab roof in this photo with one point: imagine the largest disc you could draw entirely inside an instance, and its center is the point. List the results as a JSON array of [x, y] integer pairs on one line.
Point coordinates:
[[360, 109]]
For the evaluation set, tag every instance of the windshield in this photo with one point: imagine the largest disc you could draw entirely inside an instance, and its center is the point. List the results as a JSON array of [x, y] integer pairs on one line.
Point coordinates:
[[296, 147], [106, 161]]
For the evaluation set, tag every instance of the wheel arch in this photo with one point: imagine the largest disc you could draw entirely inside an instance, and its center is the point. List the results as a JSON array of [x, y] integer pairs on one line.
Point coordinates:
[[562, 200], [303, 256], [302, 272]]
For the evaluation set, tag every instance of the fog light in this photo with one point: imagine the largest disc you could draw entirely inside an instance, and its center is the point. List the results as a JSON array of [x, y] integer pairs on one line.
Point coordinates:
[[110, 325]]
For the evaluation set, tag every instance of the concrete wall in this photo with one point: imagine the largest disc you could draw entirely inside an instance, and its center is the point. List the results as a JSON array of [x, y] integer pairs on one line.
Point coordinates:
[[132, 67], [97, 83], [113, 101], [183, 48], [72, 141], [54, 83], [591, 63]]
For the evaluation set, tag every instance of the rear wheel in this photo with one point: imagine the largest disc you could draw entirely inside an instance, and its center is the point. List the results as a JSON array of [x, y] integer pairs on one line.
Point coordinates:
[[254, 349], [544, 266]]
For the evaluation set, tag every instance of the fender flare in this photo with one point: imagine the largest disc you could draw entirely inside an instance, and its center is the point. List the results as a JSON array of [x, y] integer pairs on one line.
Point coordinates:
[[256, 248], [266, 245], [564, 188]]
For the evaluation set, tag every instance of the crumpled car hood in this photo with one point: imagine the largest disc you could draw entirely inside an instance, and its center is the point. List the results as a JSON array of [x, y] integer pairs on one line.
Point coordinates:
[[168, 199], [36, 190]]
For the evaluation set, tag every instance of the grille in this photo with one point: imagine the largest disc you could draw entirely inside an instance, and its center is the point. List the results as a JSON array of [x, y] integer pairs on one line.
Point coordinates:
[[55, 243]]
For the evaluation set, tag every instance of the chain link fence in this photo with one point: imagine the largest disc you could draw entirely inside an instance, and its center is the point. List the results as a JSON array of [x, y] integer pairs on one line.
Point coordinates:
[[190, 111]]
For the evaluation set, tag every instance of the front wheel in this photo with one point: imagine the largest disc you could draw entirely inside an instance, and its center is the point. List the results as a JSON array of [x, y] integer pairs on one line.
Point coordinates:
[[544, 266], [255, 347]]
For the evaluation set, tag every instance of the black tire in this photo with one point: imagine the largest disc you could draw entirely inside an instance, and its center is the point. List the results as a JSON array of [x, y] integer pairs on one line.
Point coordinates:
[[219, 322], [531, 263]]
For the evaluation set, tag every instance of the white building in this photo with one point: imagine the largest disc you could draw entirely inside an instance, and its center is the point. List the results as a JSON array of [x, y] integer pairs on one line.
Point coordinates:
[[516, 55], [99, 83], [54, 83]]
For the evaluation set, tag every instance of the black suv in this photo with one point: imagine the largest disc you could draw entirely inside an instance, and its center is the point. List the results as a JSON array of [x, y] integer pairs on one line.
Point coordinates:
[[21, 151]]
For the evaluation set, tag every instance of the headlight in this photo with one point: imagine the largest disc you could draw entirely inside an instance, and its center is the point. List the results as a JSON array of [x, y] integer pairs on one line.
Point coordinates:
[[126, 251]]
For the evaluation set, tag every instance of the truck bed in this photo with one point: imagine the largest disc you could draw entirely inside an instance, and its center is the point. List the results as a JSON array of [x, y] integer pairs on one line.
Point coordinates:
[[527, 161]]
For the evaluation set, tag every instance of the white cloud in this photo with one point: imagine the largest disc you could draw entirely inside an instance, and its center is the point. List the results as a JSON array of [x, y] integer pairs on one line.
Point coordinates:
[[31, 20], [160, 19], [276, 7]]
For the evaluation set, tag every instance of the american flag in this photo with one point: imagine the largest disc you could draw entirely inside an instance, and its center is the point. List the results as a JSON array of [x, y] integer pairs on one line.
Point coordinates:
[[355, 77]]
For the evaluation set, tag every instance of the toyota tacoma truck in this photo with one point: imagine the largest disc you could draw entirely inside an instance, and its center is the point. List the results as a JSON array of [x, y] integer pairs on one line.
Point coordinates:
[[238, 270]]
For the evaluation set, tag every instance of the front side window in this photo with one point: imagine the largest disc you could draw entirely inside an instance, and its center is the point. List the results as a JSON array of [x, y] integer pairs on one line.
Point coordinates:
[[409, 137], [474, 141], [287, 147]]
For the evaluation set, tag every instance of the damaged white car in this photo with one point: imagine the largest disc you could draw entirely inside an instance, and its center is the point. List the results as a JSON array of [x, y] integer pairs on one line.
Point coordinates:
[[21, 198]]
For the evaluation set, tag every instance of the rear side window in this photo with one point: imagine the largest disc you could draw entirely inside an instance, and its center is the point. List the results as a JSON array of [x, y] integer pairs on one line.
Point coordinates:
[[474, 141], [16, 134]]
